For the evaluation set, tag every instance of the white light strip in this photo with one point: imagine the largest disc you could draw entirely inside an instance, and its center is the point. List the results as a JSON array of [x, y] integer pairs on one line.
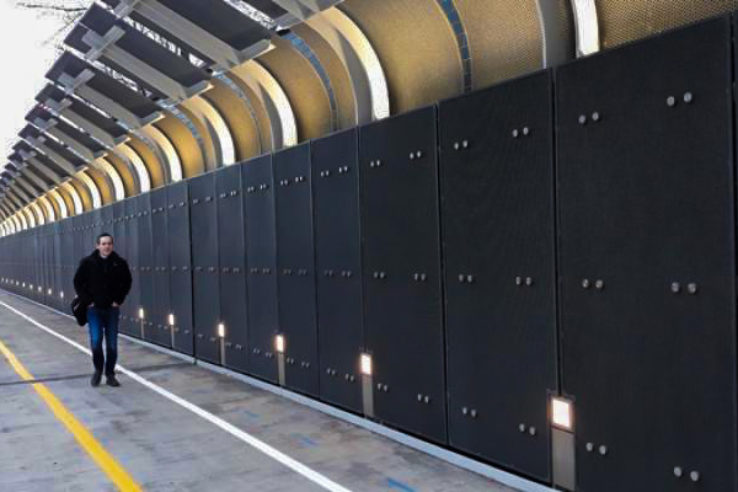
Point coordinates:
[[60, 203], [586, 26]]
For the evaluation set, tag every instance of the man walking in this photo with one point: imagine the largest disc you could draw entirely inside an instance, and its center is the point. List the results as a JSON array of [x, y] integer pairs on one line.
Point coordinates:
[[102, 282]]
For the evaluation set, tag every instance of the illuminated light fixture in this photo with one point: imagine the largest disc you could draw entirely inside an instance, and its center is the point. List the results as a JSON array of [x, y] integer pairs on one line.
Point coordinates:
[[279, 343], [49, 292], [170, 319], [24, 284], [141, 313], [561, 413], [221, 330], [40, 288], [366, 364], [61, 294]]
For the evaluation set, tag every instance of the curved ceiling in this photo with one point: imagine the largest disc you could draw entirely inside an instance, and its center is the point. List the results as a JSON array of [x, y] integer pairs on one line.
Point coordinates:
[[194, 93]]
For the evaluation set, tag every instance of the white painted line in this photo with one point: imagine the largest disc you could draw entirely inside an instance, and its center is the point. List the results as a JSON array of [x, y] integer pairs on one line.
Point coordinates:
[[504, 477], [273, 453]]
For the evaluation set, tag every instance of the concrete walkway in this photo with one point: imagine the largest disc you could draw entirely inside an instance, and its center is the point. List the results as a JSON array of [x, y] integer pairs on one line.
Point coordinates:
[[164, 446]]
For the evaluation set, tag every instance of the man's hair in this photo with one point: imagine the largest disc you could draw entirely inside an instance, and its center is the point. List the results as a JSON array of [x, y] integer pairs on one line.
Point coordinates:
[[104, 234]]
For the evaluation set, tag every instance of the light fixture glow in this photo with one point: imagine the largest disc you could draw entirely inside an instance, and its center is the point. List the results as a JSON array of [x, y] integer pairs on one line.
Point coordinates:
[[366, 364], [279, 343], [221, 330], [170, 318], [61, 294], [561, 413], [49, 292], [141, 313]]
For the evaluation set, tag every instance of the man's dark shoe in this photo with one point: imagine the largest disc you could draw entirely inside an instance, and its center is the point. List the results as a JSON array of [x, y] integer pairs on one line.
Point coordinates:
[[111, 381], [95, 381]]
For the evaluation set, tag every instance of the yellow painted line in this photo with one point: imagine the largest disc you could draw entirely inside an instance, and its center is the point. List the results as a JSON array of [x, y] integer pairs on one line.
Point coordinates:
[[117, 474]]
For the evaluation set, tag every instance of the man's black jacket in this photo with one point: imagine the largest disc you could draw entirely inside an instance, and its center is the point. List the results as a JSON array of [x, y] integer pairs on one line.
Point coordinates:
[[102, 281]]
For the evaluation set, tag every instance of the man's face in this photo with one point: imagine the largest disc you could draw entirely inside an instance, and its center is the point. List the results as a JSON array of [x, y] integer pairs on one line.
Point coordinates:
[[105, 245]]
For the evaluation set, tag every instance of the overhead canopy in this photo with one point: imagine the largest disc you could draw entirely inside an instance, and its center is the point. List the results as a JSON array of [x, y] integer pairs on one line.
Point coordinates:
[[102, 90]]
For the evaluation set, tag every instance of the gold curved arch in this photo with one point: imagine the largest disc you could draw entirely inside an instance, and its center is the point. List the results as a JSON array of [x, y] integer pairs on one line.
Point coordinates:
[[103, 182], [119, 191], [281, 117], [47, 205], [217, 129], [201, 134], [75, 196], [95, 195], [156, 168], [19, 221], [621, 21], [239, 117], [356, 53], [168, 150], [40, 219], [126, 172], [189, 153], [61, 205], [416, 46], [498, 51], [23, 219], [142, 171], [303, 87]]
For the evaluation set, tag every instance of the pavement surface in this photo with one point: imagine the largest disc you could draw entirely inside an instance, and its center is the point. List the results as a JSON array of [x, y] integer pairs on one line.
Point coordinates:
[[138, 439]]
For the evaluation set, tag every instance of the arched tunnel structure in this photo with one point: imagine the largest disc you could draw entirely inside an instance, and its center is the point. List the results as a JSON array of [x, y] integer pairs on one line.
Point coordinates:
[[503, 228]]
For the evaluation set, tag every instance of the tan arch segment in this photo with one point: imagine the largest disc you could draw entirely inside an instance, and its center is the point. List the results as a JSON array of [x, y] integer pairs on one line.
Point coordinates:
[[273, 99], [346, 111], [24, 219], [301, 83], [185, 144], [112, 178], [61, 205], [621, 21], [20, 221], [206, 144], [104, 185], [259, 112], [80, 199], [93, 192], [243, 126], [40, 218], [126, 172], [213, 128], [416, 46], [145, 161], [355, 52], [51, 215], [505, 38]]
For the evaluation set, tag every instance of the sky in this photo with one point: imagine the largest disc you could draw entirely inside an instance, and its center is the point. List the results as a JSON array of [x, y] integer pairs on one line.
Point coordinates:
[[25, 60]]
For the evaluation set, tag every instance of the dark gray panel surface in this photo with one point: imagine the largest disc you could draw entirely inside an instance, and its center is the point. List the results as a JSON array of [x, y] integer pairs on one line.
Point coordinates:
[[261, 263], [296, 267], [645, 180], [180, 280], [335, 175], [160, 269], [498, 236], [204, 234], [232, 257], [402, 281]]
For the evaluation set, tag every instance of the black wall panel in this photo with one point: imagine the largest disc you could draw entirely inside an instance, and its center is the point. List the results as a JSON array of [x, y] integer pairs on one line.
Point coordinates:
[[498, 236], [232, 261], [180, 279], [146, 267], [296, 267], [402, 286], [647, 261], [160, 309], [335, 175], [131, 324], [261, 263], [204, 232]]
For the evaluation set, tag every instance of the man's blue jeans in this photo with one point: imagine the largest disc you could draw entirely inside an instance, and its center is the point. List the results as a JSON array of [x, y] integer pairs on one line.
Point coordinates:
[[103, 321]]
